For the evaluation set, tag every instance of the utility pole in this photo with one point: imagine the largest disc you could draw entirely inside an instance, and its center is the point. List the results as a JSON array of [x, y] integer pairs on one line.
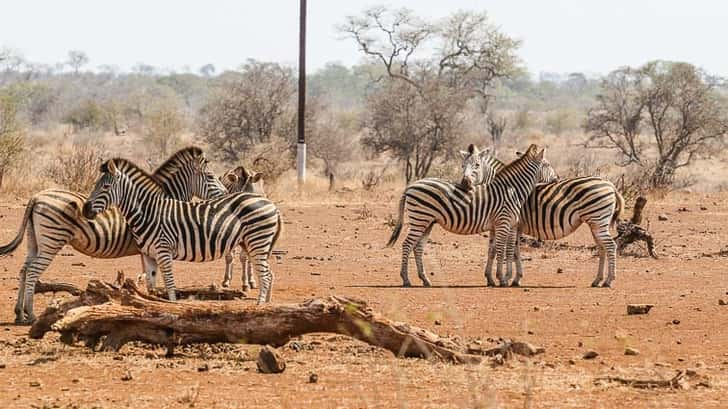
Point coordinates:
[[301, 153]]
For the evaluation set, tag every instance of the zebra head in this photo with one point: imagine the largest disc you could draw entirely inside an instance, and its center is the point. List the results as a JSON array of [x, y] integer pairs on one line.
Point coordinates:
[[478, 167], [241, 180], [106, 192], [547, 174], [186, 175]]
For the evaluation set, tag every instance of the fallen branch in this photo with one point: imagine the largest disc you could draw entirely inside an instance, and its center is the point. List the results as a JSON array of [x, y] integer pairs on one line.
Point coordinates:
[[107, 316], [630, 231], [41, 288], [676, 382]]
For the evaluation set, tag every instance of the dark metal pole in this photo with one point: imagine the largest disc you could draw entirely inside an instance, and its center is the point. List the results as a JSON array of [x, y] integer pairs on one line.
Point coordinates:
[[301, 154]]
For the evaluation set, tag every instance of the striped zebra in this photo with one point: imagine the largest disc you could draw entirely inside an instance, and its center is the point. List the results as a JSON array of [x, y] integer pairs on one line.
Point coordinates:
[[465, 209], [167, 229], [241, 180], [53, 219], [555, 209]]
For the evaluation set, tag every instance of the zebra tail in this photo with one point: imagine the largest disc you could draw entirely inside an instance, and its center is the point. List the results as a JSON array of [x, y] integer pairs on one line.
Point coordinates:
[[398, 227], [618, 209], [10, 247]]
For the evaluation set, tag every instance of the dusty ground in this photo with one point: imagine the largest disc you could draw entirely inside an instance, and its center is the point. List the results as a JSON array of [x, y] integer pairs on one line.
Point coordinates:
[[558, 311]]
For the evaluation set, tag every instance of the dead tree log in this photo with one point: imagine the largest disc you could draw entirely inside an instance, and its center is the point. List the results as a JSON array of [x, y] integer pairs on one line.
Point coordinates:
[[630, 231], [108, 316], [41, 288]]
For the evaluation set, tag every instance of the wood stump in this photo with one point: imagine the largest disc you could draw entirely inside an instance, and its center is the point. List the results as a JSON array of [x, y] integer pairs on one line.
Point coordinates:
[[630, 231]]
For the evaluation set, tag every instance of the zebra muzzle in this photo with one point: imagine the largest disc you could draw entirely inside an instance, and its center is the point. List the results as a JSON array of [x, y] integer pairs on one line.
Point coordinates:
[[88, 211]]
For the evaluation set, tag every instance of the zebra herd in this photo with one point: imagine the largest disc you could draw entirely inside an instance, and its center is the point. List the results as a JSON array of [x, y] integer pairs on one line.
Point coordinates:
[[131, 211]]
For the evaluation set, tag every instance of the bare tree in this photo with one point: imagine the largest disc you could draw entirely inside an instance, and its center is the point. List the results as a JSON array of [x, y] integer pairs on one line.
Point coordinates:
[[247, 108], [496, 128], [660, 116], [207, 70], [432, 70], [163, 125], [12, 135], [76, 60], [332, 140]]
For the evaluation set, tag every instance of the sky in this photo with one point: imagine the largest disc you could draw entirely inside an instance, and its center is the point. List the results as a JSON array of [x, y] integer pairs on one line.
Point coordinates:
[[558, 35]]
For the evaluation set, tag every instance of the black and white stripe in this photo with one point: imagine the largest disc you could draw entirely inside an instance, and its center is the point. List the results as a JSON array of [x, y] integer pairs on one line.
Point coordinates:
[[235, 181], [166, 229], [465, 210], [53, 219]]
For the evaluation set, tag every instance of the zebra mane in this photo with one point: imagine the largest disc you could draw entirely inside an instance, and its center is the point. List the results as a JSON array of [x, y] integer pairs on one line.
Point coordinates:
[[132, 169], [171, 165], [509, 168]]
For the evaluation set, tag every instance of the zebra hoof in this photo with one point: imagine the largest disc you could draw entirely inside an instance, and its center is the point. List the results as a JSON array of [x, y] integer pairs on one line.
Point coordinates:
[[515, 284], [426, 283], [595, 284], [225, 284], [246, 288], [253, 286], [607, 285], [490, 284], [407, 285]]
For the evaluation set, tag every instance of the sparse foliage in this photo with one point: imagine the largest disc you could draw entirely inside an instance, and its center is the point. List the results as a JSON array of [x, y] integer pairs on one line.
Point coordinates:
[[164, 125], [77, 60], [12, 134], [76, 168], [660, 117]]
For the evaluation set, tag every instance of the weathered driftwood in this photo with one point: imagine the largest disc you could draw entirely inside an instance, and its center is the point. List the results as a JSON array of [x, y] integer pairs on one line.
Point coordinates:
[[630, 231], [107, 316], [676, 382], [41, 287]]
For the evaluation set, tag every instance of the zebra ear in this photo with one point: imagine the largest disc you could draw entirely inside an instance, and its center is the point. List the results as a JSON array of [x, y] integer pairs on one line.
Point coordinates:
[[472, 149], [256, 177], [111, 166], [539, 156], [464, 154], [231, 177]]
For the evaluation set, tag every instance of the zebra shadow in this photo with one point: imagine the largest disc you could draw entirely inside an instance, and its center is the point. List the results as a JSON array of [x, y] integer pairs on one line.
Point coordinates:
[[460, 286]]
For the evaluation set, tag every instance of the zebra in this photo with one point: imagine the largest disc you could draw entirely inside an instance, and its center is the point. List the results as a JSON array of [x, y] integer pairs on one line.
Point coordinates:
[[241, 180], [166, 229], [53, 219], [555, 209], [465, 209]]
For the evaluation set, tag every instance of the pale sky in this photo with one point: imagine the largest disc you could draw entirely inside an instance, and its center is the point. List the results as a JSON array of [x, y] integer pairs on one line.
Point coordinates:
[[557, 35]]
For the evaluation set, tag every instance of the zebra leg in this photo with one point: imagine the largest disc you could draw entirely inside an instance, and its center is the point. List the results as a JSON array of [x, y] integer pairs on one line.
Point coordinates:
[[164, 263], [33, 271], [419, 257], [407, 245], [20, 302], [149, 265], [609, 251], [512, 246], [517, 255], [228, 270], [248, 277], [491, 257], [265, 276], [501, 244]]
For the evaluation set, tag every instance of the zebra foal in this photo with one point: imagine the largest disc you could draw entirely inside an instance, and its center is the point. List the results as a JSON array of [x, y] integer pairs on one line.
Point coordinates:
[[465, 209], [53, 219], [166, 229], [235, 181]]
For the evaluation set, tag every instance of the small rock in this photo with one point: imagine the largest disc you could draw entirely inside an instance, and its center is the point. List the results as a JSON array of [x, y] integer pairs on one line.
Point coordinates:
[[675, 322], [631, 351], [559, 270], [438, 322], [269, 361], [313, 378], [35, 384], [127, 376], [662, 217], [203, 368], [722, 302], [572, 362], [536, 309], [703, 208], [637, 309], [2, 366], [75, 380], [590, 355], [118, 358], [315, 273]]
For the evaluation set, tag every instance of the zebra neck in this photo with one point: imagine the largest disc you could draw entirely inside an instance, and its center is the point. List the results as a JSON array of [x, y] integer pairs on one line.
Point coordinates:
[[140, 200], [176, 187], [522, 182]]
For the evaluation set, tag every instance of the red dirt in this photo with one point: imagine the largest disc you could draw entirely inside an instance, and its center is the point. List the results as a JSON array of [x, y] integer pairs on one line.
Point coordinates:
[[558, 311]]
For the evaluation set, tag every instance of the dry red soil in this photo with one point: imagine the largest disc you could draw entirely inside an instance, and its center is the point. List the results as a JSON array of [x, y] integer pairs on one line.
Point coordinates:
[[337, 248]]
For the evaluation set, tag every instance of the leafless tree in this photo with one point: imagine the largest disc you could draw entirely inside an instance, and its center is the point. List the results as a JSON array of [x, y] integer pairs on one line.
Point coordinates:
[[247, 108], [332, 140], [660, 116], [76, 60], [432, 70], [12, 135], [163, 125]]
